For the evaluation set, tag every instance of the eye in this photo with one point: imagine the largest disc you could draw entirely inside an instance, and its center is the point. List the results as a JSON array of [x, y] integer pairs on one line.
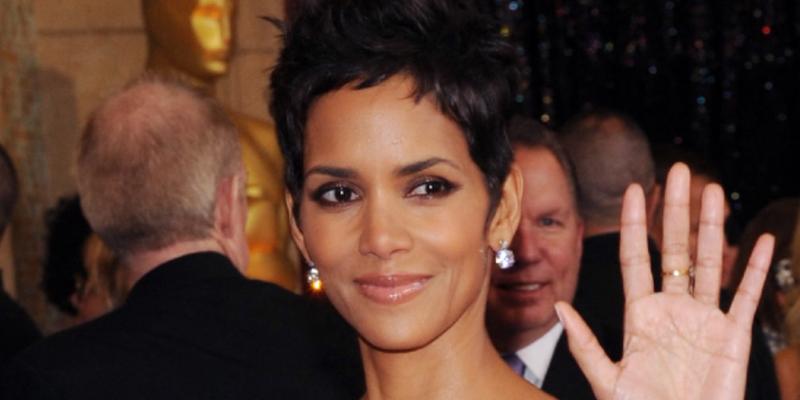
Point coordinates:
[[548, 221], [431, 188], [335, 195]]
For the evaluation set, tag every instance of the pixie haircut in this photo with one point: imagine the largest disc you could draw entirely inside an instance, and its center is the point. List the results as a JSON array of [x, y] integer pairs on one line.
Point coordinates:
[[451, 53]]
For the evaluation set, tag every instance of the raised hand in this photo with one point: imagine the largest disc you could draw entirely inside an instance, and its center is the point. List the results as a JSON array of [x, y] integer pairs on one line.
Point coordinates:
[[678, 344]]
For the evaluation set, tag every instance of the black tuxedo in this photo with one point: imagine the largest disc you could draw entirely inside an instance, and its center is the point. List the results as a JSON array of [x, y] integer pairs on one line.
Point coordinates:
[[195, 328], [17, 330], [762, 383], [599, 295]]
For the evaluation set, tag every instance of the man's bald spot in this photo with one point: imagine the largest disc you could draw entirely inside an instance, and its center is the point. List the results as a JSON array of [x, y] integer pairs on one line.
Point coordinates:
[[609, 152], [149, 163]]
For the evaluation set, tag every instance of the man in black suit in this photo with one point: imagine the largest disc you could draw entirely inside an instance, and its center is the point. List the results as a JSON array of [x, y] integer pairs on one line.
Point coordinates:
[[610, 152], [520, 316], [17, 330], [161, 181]]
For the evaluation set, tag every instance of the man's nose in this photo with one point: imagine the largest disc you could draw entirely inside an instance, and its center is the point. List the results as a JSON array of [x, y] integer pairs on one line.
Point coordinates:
[[526, 246]]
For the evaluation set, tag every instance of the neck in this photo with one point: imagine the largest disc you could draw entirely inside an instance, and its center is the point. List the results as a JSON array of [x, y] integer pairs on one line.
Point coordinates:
[[158, 62], [140, 263], [459, 364], [595, 230]]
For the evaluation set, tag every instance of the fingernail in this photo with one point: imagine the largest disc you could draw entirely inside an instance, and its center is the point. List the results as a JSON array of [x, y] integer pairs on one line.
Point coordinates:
[[558, 313]]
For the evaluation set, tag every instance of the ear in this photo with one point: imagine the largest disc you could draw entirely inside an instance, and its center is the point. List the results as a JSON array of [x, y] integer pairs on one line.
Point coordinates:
[[230, 217], [506, 216], [224, 218], [294, 227]]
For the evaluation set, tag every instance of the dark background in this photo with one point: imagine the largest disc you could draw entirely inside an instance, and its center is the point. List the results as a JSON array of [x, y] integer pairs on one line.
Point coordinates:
[[720, 78]]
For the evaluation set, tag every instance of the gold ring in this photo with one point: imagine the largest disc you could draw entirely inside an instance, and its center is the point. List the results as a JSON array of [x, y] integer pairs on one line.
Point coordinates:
[[679, 272]]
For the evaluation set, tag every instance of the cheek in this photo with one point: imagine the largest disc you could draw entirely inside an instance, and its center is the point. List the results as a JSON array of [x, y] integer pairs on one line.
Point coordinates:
[[566, 260], [329, 242]]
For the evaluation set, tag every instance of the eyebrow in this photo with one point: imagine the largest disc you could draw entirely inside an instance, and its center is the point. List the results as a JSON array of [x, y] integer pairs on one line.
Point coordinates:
[[410, 169], [418, 166], [336, 172]]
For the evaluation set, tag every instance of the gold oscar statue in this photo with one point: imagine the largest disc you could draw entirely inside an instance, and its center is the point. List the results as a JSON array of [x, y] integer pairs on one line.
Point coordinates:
[[191, 40]]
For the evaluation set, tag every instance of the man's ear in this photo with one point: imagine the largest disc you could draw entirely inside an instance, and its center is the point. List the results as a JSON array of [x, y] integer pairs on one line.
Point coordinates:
[[224, 207], [230, 218], [507, 215], [294, 226]]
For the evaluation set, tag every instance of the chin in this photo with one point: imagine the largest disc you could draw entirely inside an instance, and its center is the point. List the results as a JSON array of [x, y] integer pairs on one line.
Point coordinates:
[[398, 328], [397, 336], [525, 320]]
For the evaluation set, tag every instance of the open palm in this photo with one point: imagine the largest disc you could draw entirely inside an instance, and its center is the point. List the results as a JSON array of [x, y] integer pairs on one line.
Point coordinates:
[[678, 344]]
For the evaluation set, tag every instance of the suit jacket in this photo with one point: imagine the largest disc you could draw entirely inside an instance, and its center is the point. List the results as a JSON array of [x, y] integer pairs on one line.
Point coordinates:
[[762, 383], [195, 328], [17, 330], [599, 295]]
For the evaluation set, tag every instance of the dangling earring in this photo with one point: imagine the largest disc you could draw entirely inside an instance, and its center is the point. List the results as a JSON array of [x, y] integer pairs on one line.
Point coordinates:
[[312, 277], [504, 258]]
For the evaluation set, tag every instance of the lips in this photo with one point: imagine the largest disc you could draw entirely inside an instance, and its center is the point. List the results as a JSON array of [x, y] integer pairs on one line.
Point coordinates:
[[521, 287], [391, 289]]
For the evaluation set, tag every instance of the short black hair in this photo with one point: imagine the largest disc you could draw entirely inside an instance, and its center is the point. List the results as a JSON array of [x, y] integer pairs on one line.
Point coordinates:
[[64, 269], [9, 189], [446, 47], [525, 132]]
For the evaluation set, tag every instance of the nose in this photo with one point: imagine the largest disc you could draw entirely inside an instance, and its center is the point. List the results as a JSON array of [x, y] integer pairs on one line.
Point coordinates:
[[526, 246], [383, 231]]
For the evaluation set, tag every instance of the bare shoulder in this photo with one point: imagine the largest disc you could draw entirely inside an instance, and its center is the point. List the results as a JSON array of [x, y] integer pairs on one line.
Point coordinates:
[[514, 387]]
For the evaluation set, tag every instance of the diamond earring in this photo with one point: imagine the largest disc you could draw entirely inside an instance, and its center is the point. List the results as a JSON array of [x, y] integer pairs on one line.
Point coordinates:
[[312, 278], [504, 258]]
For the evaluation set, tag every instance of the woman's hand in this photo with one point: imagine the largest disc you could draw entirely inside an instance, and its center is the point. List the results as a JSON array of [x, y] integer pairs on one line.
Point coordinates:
[[678, 344]]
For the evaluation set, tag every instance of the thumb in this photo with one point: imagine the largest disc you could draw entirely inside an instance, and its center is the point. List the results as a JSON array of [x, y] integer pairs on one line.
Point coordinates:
[[599, 370]]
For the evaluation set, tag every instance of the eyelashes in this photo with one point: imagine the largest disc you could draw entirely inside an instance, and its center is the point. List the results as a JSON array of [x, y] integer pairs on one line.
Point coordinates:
[[431, 188], [334, 194], [340, 194]]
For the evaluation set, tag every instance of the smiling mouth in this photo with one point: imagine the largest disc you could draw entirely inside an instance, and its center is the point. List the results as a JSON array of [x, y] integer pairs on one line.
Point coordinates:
[[391, 289], [520, 287]]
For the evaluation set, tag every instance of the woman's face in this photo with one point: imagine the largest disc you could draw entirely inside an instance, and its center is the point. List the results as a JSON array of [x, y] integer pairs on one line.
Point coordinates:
[[393, 213]]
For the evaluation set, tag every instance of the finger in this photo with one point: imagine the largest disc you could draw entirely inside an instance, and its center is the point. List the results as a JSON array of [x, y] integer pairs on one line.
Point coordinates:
[[710, 239], [749, 292], [601, 373], [675, 260], [633, 254]]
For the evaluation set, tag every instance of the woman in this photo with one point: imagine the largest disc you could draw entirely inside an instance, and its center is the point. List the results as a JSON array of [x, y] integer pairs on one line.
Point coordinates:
[[391, 116], [787, 360], [81, 275], [778, 218]]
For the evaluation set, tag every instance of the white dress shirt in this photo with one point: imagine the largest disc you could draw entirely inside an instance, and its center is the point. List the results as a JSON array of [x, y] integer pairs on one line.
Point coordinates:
[[537, 355]]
